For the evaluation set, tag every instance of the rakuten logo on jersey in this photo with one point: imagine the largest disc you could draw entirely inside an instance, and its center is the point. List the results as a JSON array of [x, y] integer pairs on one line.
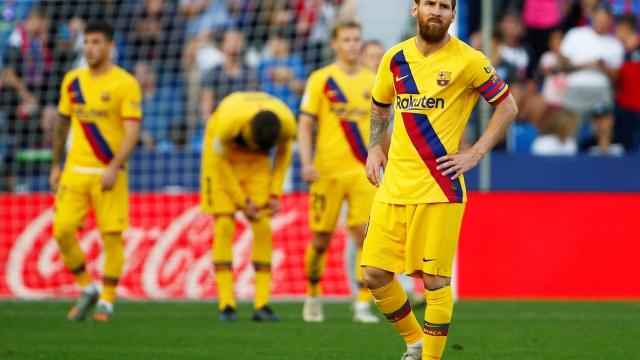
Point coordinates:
[[410, 102]]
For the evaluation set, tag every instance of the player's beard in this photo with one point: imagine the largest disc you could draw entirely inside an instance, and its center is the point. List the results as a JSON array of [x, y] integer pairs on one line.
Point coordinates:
[[432, 31]]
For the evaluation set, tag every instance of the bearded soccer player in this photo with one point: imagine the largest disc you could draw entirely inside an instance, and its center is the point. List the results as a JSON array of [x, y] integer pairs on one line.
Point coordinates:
[[433, 81], [101, 104], [238, 174], [337, 101]]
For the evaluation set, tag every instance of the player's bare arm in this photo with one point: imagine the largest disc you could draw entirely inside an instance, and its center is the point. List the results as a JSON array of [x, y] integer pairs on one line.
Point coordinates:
[[376, 159], [131, 136], [280, 164], [60, 132], [458, 164], [305, 130]]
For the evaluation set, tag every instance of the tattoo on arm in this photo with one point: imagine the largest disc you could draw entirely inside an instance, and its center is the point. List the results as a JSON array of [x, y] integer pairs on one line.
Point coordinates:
[[379, 124], [60, 131]]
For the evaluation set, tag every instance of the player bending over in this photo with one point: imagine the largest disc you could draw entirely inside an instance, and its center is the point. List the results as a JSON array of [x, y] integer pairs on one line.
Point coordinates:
[[237, 174], [101, 104], [337, 102], [433, 81]]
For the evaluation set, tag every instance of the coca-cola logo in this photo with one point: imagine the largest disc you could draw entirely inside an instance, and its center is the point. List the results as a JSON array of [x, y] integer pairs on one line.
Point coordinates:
[[168, 253]]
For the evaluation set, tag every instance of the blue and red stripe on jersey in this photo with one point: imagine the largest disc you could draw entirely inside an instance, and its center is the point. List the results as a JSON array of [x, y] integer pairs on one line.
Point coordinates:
[[399, 314], [350, 128], [492, 88], [430, 148], [333, 92], [402, 75], [75, 92], [97, 142], [354, 138], [435, 329]]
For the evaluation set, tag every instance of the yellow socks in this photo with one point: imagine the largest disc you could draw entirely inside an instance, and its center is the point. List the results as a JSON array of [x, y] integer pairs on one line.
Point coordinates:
[[81, 276], [263, 284], [222, 255], [71, 253], [436, 322], [364, 295], [262, 249], [314, 268], [113, 263], [394, 304]]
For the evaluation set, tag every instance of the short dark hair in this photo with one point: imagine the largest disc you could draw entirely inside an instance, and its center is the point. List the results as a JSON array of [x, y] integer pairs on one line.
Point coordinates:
[[628, 20], [453, 3], [265, 129], [101, 27], [345, 24]]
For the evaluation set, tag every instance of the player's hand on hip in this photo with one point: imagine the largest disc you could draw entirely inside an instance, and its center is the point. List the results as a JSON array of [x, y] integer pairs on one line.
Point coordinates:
[[251, 210], [376, 161], [54, 178], [309, 174], [455, 165], [109, 177], [274, 205]]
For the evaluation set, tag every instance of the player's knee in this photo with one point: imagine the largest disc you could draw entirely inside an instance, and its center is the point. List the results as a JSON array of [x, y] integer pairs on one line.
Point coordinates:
[[435, 282], [320, 241], [64, 233], [358, 233], [375, 278]]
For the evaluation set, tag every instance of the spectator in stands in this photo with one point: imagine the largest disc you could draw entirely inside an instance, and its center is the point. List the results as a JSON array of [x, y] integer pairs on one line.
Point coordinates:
[[282, 74], [557, 135], [205, 16], [161, 106], [13, 12], [27, 86], [372, 53], [628, 96], [276, 16], [580, 14], [512, 60], [625, 7], [595, 57], [540, 17], [154, 34], [603, 141], [551, 65], [230, 76]]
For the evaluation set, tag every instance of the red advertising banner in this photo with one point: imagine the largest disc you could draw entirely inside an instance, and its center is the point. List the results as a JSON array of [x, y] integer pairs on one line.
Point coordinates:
[[513, 245], [167, 249]]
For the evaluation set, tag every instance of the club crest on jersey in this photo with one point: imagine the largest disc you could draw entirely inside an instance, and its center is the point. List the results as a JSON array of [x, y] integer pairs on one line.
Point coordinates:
[[105, 96], [444, 78]]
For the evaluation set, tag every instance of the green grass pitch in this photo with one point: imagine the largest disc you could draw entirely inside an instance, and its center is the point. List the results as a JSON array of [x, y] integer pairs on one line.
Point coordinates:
[[174, 330]]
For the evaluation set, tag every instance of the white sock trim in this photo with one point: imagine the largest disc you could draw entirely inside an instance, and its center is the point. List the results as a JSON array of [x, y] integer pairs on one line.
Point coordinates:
[[417, 344]]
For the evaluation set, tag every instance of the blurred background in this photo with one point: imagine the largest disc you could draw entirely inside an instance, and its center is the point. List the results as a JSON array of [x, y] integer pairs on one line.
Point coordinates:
[[556, 207]]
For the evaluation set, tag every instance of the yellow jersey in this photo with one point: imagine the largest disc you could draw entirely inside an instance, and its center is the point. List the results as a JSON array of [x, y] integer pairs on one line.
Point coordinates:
[[225, 128], [97, 107], [341, 105], [433, 98]]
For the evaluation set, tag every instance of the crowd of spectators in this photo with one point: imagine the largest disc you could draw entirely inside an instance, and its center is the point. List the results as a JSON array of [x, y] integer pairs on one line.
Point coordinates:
[[573, 65]]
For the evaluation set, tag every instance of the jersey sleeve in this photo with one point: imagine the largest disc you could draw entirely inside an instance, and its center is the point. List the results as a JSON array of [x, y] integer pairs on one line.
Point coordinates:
[[64, 104], [486, 81], [383, 88], [312, 95], [131, 102]]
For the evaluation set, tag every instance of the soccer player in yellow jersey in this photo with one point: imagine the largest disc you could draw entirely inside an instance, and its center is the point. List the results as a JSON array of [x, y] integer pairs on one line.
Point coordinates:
[[238, 174], [337, 101], [101, 104], [433, 81]]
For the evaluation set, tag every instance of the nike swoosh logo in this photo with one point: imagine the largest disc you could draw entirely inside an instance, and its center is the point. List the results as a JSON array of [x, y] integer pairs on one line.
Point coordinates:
[[401, 78], [427, 260]]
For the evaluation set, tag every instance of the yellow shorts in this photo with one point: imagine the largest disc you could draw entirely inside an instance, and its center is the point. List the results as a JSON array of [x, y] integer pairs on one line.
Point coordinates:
[[77, 192], [254, 177], [413, 238], [327, 194]]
